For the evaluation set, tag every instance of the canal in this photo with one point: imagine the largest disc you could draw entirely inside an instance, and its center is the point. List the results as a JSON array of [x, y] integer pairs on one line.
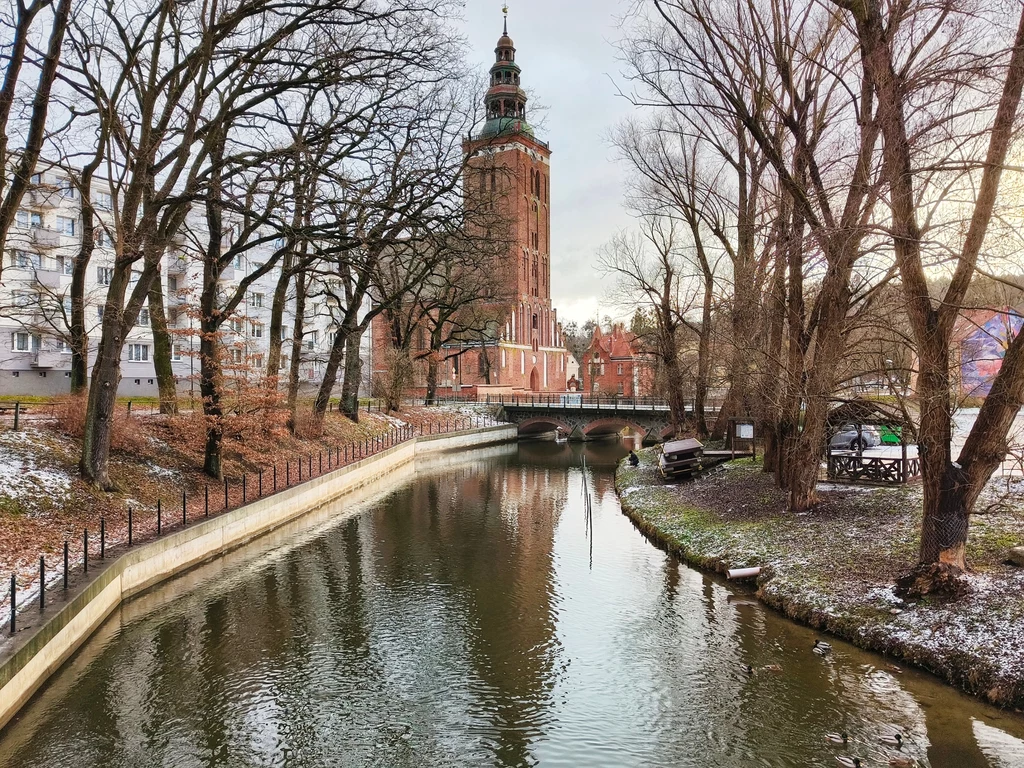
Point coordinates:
[[479, 616]]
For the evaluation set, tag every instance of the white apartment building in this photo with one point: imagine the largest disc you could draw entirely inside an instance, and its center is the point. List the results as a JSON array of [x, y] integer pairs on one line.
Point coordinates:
[[35, 303]]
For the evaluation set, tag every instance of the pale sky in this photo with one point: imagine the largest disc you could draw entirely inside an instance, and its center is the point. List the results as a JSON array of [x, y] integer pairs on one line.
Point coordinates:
[[569, 60]]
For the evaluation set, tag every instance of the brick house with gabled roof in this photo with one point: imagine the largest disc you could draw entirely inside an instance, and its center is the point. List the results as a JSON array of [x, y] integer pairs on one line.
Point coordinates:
[[616, 363]]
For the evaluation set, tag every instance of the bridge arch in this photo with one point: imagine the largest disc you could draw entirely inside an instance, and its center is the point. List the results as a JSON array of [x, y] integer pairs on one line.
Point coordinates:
[[611, 426], [538, 425]]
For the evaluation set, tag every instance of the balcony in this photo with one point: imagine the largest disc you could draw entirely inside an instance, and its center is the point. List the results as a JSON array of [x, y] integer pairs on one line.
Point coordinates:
[[46, 360], [44, 196], [177, 264], [48, 278], [46, 238]]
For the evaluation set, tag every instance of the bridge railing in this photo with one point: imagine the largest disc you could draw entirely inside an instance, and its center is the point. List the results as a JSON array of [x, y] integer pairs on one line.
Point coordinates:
[[579, 401]]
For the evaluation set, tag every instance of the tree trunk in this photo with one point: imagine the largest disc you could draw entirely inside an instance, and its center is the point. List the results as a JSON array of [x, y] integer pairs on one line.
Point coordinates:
[[298, 328], [330, 378], [162, 350], [79, 338], [106, 373], [210, 390], [432, 371], [352, 378], [276, 329]]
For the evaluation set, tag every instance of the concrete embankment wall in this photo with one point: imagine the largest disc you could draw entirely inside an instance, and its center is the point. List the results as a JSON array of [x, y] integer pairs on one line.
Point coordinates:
[[35, 654]]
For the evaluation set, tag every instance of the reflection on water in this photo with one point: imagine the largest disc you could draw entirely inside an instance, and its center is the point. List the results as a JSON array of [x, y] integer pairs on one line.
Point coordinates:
[[476, 617]]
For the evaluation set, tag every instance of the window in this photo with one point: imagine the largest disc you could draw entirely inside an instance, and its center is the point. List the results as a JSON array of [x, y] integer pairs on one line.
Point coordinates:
[[256, 330], [257, 361], [66, 264], [26, 260], [99, 311], [36, 178], [102, 238], [138, 353], [535, 322], [235, 324], [65, 225], [63, 347], [176, 353], [25, 342], [283, 363], [104, 275], [238, 261], [23, 298], [67, 189], [256, 300], [103, 201], [311, 340], [620, 369], [172, 283], [30, 219], [236, 355], [143, 317], [280, 242], [66, 301], [621, 389]]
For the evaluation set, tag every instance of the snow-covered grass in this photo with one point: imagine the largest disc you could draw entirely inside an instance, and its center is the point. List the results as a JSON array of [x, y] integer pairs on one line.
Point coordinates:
[[834, 566]]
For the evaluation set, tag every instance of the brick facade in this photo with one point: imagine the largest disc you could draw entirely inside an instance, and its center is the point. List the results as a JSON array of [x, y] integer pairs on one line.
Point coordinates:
[[615, 363], [510, 170]]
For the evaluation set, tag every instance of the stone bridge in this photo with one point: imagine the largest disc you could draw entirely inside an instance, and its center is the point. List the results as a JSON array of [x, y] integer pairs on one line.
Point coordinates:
[[589, 419]]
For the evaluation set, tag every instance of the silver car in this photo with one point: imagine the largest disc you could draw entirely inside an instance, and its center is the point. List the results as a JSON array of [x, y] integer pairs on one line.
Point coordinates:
[[853, 437]]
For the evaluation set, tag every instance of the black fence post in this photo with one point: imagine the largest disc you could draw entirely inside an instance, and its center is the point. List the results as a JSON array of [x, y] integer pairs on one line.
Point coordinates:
[[159, 516], [184, 509], [85, 551], [206, 500], [130, 525], [14, 603], [42, 584], [299, 462], [322, 462], [287, 473], [243, 488], [225, 492], [310, 473], [66, 547], [103, 538], [275, 477], [261, 483], [17, 420]]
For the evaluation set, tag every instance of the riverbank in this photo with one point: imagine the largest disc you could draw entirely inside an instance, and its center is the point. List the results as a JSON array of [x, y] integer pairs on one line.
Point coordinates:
[[156, 458], [833, 568], [28, 658]]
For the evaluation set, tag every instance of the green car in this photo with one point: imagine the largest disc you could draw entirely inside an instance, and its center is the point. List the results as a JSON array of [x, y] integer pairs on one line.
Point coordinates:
[[890, 435]]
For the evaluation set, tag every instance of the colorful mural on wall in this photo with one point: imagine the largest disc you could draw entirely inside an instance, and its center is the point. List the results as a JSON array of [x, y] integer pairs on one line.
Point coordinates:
[[984, 337]]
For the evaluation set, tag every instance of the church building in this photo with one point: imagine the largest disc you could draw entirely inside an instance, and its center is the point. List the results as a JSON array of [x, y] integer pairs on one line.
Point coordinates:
[[509, 169]]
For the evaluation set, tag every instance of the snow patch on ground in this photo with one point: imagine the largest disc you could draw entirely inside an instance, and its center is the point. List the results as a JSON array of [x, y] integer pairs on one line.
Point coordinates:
[[21, 474]]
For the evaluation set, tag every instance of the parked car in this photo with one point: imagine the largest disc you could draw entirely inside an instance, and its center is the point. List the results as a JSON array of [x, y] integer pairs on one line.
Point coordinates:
[[853, 437]]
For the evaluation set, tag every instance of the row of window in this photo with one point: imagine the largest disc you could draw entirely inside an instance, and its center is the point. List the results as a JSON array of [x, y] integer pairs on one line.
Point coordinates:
[[34, 220]]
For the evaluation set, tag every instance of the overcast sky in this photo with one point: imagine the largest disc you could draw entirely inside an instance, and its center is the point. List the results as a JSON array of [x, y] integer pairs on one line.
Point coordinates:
[[567, 53]]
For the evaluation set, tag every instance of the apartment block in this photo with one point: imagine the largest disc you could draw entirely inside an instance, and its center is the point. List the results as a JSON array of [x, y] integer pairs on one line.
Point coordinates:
[[35, 301]]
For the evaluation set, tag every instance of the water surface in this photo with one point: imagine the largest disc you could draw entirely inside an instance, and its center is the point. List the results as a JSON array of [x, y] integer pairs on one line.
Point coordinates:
[[477, 616]]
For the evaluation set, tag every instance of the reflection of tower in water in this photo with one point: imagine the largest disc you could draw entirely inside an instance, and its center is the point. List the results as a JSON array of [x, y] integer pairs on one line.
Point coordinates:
[[496, 528]]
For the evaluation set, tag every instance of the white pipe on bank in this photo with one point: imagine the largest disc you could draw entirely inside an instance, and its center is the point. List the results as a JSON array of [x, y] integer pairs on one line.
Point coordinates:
[[743, 573]]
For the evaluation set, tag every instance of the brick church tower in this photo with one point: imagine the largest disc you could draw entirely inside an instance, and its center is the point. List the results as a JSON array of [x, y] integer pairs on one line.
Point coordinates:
[[509, 171], [513, 166]]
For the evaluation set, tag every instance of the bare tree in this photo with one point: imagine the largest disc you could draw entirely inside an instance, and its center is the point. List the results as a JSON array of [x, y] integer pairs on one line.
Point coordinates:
[[21, 160], [652, 275], [944, 53]]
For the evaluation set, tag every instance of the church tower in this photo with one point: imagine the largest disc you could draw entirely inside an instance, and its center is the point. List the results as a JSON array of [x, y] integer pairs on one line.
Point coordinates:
[[512, 167], [508, 180]]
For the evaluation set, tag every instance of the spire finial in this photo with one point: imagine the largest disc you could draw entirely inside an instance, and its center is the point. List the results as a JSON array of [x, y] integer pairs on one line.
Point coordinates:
[[505, 11]]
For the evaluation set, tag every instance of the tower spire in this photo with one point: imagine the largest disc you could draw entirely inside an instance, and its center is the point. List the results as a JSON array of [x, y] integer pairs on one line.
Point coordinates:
[[505, 101]]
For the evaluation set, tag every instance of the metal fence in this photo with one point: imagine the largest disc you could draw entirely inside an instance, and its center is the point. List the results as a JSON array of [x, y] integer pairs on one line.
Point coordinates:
[[141, 524]]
